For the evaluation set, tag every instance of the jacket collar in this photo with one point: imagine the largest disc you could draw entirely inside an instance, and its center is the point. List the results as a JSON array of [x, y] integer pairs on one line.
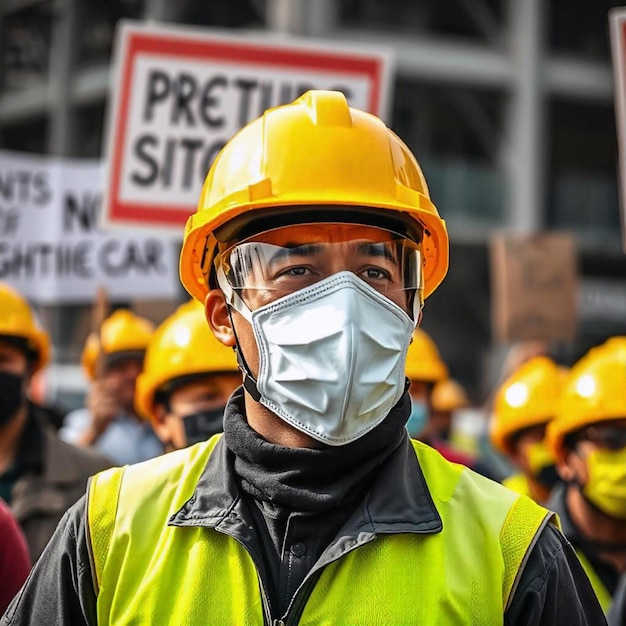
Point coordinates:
[[398, 502]]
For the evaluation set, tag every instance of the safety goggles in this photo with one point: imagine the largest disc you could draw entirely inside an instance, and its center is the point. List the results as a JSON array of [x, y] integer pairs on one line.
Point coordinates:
[[285, 260], [608, 436]]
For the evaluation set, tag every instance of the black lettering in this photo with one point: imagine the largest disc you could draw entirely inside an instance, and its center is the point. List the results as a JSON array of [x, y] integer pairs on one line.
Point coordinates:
[[265, 101], [158, 89], [83, 213], [286, 92], [245, 86], [45, 251], [154, 253], [80, 263], [140, 150], [41, 185], [9, 220], [23, 181], [185, 88], [6, 185], [106, 252], [191, 147], [208, 101], [168, 162]]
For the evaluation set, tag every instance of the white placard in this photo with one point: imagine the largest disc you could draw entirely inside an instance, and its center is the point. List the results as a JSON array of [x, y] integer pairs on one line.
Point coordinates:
[[51, 247], [181, 93]]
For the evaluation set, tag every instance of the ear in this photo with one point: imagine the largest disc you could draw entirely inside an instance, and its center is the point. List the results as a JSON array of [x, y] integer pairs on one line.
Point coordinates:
[[159, 423], [216, 311], [564, 467]]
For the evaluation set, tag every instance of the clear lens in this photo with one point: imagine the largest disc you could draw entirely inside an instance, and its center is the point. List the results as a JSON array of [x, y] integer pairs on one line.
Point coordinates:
[[285, 260]]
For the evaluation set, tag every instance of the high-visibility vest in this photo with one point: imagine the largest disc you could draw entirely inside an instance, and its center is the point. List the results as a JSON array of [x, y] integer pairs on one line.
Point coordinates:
[[518, 483], [147, 572]]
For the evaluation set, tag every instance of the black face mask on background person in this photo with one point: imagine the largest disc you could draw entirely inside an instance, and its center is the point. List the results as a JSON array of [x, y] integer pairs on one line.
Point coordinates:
[[11, 396], [203, 424]]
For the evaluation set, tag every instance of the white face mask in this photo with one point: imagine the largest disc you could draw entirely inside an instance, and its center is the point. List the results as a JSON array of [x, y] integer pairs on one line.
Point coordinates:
[[331, 357]]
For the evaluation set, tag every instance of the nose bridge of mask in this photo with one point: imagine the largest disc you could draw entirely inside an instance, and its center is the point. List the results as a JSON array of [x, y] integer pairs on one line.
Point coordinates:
[[338, 356], [606, 486], [539, 456]]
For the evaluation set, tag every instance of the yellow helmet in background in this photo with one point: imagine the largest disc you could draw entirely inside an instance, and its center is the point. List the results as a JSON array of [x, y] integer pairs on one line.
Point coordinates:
[[423, 362], [528, 397], [122, 331], [448, 396], [595, 392], [317, 153], [183, 345], [17, 321]]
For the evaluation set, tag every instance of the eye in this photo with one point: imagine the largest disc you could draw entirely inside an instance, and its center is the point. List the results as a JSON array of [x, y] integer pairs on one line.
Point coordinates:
[[375, 273], [298, 270]]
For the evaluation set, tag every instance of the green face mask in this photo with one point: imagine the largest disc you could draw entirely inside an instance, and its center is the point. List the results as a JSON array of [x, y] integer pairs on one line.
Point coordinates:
[[541, 463], [606, 487]]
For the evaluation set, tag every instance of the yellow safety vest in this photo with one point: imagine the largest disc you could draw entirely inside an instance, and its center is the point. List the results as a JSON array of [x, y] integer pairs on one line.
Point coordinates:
[[518, 483], [147, 572]]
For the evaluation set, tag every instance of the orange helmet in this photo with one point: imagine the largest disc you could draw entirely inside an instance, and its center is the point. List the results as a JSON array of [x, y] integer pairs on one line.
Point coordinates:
[[595, 392], [183, 345], [319, 153], [423, 362], [528, 397], [122, 331], [17, 320]]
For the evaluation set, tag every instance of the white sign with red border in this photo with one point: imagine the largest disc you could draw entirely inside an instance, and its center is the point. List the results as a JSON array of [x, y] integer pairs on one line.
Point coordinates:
[[617, 23], [178, 94]]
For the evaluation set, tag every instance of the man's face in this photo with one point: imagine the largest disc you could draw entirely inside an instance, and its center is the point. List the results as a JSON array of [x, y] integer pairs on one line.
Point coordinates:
[[15, 364], [204, 394], [120, 378], [291, 258], [12, 359]]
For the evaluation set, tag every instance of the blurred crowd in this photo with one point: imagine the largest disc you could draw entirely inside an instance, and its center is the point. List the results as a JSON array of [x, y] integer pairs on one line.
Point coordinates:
[[556, 433]]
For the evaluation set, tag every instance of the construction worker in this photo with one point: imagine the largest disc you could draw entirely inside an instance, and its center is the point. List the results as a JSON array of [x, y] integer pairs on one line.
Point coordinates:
[[447, 397], [112, 359], [40, 475], [424, 368], [187, 378], [314, 246], [588, 439], [523, 407]]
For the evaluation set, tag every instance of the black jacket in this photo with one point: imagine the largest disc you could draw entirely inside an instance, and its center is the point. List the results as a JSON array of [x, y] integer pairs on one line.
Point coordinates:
[[553, 588]]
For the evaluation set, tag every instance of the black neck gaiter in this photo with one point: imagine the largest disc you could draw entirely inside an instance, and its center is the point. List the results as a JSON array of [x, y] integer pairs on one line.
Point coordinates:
[[307, 479]]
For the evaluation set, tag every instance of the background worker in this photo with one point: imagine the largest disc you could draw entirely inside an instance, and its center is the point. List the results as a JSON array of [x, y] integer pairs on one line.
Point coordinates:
[[523, 407], [313, 248], [112, 361], [588, 439], [187, 379], [40, 475], [424, 369], [447, 397]]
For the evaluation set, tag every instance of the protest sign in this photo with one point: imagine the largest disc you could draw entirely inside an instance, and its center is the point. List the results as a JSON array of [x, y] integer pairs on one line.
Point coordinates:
[[51, 248], [180, 93]]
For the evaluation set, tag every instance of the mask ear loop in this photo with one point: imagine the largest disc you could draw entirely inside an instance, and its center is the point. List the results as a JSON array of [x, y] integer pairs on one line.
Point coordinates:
[[233, 301]]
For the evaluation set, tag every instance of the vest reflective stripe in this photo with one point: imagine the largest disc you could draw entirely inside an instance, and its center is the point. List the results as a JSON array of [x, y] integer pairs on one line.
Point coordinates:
[[602, 593], [149, 572]]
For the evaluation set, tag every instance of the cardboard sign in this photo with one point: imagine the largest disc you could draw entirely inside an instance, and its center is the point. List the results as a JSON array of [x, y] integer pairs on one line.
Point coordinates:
[[179, 94], [617, 24], [534, 287], [51, 249]]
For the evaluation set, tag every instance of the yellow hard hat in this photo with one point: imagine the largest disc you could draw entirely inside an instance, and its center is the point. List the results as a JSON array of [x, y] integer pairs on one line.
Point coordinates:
[[447, 396], [423, 362], [595, 392], [319, 153], [528, 397], [182, 345], [122, 331], [17, 320]]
